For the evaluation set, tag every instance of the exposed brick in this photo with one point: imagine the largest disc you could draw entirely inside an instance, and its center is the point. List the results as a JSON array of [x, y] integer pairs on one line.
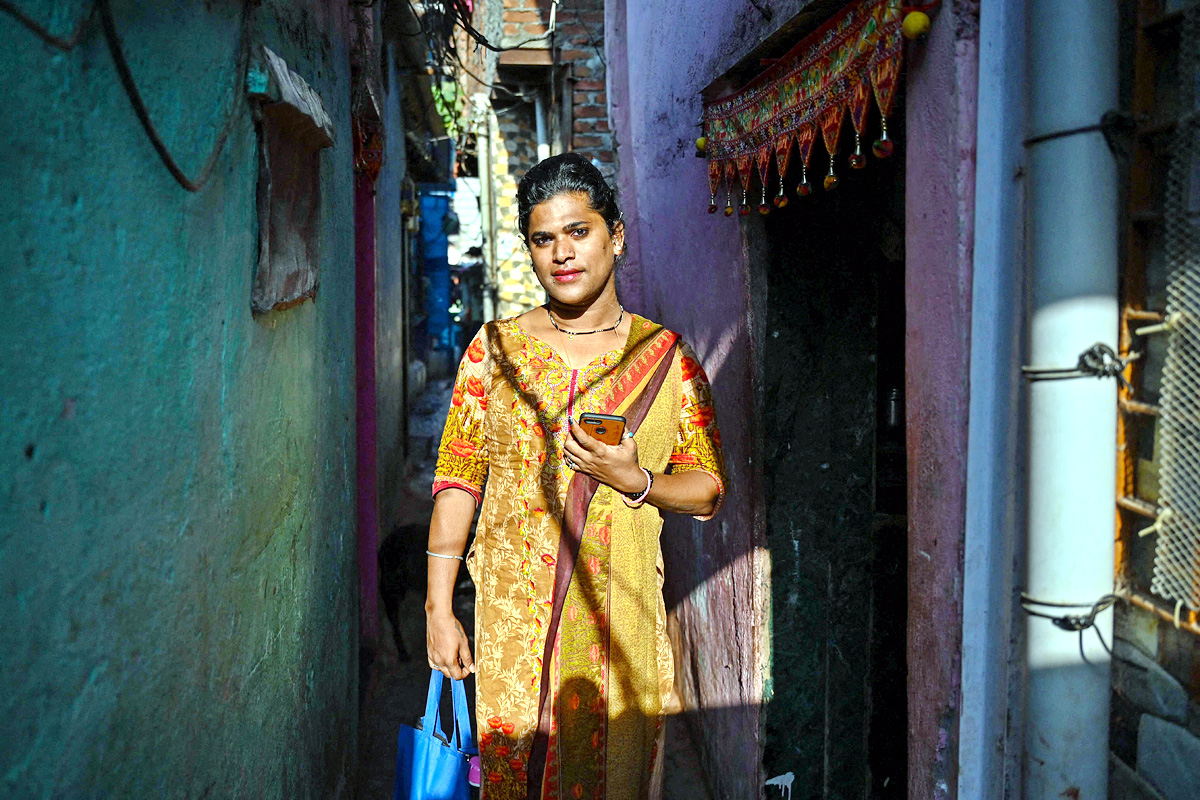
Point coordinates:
[[522, 16], [588, 140], [591, 126], [511, 29], [590, 85], [577, 55], [583, 112], [604, 155], [534, 28]]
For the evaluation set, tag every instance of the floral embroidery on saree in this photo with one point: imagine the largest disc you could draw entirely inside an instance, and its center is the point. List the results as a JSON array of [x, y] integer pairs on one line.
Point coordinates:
[[505, 428]]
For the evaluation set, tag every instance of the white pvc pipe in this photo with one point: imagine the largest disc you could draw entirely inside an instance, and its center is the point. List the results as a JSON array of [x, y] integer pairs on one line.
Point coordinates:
[[1072, 423], [997, 317], [543, 140]]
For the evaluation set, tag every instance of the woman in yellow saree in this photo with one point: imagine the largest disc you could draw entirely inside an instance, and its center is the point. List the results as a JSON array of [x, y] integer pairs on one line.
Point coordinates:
[[573, 664]]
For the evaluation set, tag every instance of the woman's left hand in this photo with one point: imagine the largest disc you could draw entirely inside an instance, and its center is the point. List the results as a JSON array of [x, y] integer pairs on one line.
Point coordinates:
[[612, 465]]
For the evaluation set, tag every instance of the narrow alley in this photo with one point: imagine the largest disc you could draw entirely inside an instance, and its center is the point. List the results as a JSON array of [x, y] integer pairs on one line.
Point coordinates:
[[811, 387]]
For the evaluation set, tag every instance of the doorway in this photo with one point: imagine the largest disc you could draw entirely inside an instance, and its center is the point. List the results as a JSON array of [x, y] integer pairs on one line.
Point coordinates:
[[834, 477]]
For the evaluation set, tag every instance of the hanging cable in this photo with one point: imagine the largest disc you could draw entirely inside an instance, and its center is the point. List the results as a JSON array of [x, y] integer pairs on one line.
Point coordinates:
[[1073, 622], [499, 86], [462, 15], [66, 45], [599, 48], [143, 115]]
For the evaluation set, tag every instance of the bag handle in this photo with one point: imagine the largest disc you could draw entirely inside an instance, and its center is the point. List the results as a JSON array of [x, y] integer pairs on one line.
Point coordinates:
[[462, 720], [432, 722]]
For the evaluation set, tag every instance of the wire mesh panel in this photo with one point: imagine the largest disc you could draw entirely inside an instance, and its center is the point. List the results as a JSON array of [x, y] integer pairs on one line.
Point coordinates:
[[1177, 552]]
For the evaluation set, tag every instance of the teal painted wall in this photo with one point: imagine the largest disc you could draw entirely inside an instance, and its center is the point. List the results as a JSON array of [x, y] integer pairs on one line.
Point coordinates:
[[178, 595]]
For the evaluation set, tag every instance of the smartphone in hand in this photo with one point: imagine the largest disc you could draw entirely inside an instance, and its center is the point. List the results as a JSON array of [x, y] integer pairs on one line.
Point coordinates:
[[605, 427]]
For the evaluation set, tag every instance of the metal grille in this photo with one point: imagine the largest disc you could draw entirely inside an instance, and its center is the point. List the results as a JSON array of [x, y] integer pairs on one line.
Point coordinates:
[[1177, 550]]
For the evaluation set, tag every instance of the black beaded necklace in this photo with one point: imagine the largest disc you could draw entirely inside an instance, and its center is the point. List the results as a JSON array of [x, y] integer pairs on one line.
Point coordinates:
[[573, 334]]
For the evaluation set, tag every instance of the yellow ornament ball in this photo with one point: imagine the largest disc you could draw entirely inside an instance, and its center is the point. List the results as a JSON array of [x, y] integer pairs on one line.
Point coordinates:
[[702, 144], [915, 25]]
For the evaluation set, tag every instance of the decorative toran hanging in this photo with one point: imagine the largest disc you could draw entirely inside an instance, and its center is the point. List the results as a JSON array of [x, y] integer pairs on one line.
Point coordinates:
[[834, 71]]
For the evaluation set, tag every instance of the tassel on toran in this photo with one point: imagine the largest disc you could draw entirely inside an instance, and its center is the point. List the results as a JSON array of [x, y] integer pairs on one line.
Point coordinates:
[[834, 73]]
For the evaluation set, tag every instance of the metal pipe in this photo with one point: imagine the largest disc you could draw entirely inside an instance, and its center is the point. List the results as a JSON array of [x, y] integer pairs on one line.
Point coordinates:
[[1072, 423], [539, 111], [1187, 620], [483, 144], [995, 403], [494, 242]]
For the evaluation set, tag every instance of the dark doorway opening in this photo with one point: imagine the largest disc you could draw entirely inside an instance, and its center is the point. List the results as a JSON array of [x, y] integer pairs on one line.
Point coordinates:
[[835, 484]]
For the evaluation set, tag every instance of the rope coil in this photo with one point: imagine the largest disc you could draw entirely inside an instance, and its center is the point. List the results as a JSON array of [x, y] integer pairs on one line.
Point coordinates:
[[1098, 361]]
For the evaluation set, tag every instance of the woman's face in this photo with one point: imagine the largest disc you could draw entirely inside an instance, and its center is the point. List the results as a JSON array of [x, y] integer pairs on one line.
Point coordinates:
[[573, 252]]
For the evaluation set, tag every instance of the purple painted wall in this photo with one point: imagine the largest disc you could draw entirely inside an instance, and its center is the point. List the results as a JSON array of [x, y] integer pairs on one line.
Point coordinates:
[[940, 233], [695, 273], [691, 272]]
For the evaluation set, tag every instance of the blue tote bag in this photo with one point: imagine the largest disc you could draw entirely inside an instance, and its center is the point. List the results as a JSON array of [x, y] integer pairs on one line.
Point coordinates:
[[428, 765]]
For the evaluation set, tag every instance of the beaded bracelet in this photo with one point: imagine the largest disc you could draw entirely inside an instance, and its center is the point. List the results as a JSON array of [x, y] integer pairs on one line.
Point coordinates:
[[636, 502]]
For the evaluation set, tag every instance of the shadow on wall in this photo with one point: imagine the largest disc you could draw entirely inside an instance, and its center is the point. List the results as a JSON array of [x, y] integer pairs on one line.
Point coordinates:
[[832, 459]]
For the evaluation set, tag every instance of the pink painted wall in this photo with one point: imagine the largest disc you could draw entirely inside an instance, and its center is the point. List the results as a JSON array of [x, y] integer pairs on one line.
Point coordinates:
[[694, 273]]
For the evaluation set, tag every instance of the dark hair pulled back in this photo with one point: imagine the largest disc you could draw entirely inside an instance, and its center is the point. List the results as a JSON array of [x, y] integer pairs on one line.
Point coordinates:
[[566, 173]]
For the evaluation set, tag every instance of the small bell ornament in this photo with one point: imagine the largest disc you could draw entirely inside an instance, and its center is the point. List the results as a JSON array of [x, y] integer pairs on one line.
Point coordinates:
[[712, 203], [883, 146], [729, 203], [857, 159], [831, 179], [745, 209], [804, 188], [781, 198], [763, 208]]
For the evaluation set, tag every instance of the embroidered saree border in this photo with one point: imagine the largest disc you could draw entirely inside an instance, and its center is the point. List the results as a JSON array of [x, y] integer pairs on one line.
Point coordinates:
[[576, 683], [810, 89]]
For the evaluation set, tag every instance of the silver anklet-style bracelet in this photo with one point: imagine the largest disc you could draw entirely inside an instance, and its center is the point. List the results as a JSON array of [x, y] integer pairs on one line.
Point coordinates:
[[439, 555]]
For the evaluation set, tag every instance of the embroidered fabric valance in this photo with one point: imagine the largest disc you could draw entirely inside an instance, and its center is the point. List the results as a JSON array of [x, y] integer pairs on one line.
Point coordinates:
[[835, 70]]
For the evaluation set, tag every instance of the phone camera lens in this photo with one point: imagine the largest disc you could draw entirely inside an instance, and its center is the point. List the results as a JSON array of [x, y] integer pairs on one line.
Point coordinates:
[[601, 430]]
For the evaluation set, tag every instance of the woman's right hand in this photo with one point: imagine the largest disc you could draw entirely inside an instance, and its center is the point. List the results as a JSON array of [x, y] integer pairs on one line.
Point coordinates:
[[447, 646]]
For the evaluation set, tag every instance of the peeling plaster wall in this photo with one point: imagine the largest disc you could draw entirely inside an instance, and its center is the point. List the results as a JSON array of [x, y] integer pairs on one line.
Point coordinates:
[[177, 514]]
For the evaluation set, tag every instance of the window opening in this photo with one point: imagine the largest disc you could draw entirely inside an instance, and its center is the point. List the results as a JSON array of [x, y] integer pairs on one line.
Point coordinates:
[[1158, 492]]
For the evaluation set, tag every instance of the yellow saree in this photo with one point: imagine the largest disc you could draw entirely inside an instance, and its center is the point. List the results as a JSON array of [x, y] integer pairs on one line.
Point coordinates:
[[611, 670]]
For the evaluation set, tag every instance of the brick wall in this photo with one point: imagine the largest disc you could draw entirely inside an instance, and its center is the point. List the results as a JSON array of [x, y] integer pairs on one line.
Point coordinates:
[[578, 45], [580, 29]]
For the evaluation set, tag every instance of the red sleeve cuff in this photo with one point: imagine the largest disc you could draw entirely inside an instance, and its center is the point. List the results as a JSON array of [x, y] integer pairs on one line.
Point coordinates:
[[446, 483]]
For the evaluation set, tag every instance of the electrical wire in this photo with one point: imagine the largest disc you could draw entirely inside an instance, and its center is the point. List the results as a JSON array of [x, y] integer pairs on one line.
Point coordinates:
[[143, 115], [463, 18], [591, 39], [482, 82], [66, 45], [125, 75]]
